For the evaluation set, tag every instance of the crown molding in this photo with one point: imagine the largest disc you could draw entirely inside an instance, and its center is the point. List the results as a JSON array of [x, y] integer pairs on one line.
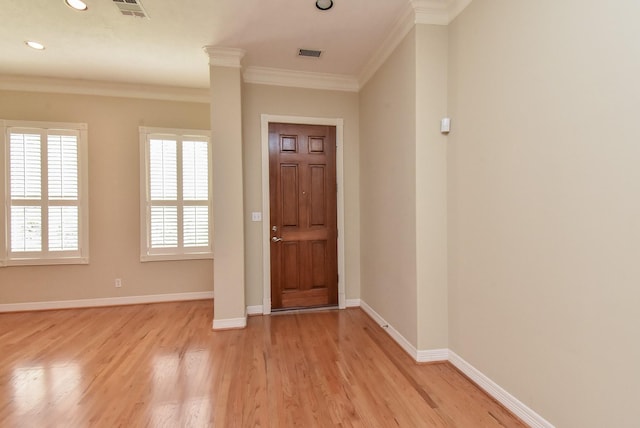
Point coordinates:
[[433, 12], [437, 12], [224, 57], [399, 30], [300, 79], [108, 89]]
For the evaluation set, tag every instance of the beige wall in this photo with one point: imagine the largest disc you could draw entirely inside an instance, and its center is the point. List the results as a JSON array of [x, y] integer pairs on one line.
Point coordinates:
[[388, 190], [228, 243], [114, 204], [431, 187], [544, 204], [276, 100]]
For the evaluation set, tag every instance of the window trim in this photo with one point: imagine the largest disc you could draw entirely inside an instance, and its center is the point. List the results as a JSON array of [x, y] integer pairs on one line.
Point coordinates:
[[166, 254], [38, 258]]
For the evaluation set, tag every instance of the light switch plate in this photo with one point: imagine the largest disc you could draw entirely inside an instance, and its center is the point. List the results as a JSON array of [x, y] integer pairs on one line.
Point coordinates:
[[256, 216]]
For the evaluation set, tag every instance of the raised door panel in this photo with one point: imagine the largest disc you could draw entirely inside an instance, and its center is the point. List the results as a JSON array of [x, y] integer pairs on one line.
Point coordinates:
[[290, 266], [318, 197], [289, 179]]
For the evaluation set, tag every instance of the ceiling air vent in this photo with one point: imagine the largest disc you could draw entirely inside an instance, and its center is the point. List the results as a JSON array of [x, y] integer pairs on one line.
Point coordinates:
[[309, 52], [131, 8]]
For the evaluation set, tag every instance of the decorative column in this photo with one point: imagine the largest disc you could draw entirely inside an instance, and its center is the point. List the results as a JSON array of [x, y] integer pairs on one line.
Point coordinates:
[[228, 211]]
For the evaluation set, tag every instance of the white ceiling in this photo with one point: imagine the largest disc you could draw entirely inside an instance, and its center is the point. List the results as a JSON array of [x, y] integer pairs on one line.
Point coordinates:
[[166, 49]]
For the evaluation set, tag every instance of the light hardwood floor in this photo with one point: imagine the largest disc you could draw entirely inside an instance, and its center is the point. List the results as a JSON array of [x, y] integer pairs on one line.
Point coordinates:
[[161, 365]]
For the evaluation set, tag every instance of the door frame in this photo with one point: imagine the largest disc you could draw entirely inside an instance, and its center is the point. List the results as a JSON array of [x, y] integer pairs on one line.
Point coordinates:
[[265, 119]]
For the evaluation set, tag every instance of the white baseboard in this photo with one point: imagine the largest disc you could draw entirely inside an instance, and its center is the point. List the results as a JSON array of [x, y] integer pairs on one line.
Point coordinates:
[[490, 387], [106, 301], [229, 323], [254, 310], [432, 355], [421, 356], [530, 417], [353, 303]]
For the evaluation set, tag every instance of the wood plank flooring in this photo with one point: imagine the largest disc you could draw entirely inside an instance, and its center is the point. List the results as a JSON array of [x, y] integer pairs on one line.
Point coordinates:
[[161, 365]]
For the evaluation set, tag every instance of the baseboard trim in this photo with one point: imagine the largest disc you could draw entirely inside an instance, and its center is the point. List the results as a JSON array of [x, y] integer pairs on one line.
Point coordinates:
[[105, 301], [254, 310], [352, 303], [432, 355], [518, 408], [420, 356], [514, 405], [230, 323]]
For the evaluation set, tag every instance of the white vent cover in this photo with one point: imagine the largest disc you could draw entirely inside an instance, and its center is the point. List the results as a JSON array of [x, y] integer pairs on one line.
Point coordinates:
[[131, 8]]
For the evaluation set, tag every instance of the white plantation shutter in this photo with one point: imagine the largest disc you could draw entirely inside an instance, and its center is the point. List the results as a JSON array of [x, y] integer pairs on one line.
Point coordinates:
[[196, 226], [163, 170], [26, 229], [25, 166], [195, 167], [46, 197], [63, 167], [175, 177], [195, 183], [25, 178], [63, 229], [164, 227]]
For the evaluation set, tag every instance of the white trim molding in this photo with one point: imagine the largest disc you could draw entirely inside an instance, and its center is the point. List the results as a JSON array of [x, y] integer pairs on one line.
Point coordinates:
[[300, 79], [107, 89], [432, 355], [399, 30], [434, 12], [254, 310], [224, 57], [437, 12], [265, 119], [352, 303], [520, 409], [422, 356], [105, 301], [230, 323], [514, 405]]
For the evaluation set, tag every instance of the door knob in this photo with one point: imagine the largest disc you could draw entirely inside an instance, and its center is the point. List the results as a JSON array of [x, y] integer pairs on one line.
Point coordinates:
[[276, 239]]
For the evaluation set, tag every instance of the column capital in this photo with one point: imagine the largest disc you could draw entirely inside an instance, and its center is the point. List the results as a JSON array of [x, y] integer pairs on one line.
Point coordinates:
[[224, 57]]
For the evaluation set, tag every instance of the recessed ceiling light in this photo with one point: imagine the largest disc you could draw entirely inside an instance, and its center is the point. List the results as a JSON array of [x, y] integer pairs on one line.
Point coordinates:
[[324, 4], [34, 45], [76, 4]]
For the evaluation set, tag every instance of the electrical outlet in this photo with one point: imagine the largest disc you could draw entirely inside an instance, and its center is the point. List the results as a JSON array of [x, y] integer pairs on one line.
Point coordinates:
[[118, 282]]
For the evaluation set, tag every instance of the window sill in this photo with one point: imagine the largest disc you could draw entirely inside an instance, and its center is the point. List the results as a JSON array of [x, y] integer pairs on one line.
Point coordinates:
[[175, 257], [47, 262]]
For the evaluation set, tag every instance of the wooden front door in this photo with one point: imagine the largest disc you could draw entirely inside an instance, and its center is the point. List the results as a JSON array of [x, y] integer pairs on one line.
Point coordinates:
[[303, 194]]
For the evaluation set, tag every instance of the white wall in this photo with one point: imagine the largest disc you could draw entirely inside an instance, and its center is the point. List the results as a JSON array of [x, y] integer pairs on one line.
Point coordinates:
[[544, 204]]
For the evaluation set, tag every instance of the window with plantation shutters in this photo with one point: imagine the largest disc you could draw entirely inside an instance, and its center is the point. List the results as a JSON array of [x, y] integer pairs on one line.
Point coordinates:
[[176, 194], [46, 186]]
